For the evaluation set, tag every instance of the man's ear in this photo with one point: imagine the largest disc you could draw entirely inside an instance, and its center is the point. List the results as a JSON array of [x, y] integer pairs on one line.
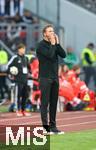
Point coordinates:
[[44, 35]]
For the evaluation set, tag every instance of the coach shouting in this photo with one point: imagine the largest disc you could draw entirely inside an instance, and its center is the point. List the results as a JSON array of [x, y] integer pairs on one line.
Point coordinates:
[[48, 51]]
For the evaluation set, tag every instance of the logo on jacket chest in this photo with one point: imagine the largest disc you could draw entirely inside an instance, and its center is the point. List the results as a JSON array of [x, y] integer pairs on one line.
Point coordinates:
[[19, 61]]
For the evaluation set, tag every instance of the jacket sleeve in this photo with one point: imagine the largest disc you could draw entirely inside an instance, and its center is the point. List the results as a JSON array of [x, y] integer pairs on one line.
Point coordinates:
[[11, 63], [88, 58], [48, 52], [60, 51]]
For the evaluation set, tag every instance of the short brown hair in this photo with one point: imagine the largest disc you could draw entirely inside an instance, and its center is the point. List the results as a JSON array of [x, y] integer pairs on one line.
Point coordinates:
[[21, 45], [47, 26]]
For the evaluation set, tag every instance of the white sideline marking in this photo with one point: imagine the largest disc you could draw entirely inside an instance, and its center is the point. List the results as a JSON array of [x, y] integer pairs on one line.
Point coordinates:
[[72, 124], [85, 116], [18, 118], [59, 119], [77, 112], [68, 125], [36, 122]]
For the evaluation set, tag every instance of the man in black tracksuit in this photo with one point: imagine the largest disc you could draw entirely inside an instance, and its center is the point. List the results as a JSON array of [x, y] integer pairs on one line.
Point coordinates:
[[48, 51], [20, 61]]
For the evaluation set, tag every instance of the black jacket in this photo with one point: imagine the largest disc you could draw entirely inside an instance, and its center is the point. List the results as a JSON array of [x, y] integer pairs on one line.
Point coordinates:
[[48, 58], [20, 62]]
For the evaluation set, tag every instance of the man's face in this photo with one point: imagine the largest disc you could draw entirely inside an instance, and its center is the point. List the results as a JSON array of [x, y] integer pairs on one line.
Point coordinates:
[[49, 32], [21, 51]]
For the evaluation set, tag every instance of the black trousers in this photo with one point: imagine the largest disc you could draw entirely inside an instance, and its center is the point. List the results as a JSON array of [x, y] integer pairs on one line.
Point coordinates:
[[3, 87], [90, 72], [22, 95], [49, 97]]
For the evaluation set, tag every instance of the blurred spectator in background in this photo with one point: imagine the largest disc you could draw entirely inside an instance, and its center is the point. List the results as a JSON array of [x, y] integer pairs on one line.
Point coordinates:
[[3, 60], [19, 7], [31, 54], [71, 58], [88, 63], [12, 10], [27, 17], [13, 35], [14, 7], [7, 7], [95, 54], [34, 64], [3, 63], [2, 7]]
